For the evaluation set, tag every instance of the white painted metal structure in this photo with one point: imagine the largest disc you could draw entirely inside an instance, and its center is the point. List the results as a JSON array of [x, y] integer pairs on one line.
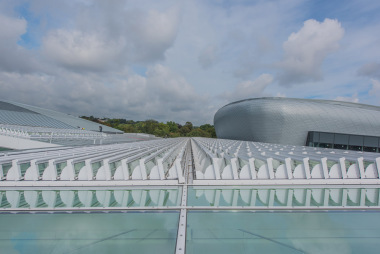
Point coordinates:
[[172, 197], [262, 163], [215, 162], [151, 160], [69, 137], [31, 132], [175, 174], [85, 198], [283, 197]]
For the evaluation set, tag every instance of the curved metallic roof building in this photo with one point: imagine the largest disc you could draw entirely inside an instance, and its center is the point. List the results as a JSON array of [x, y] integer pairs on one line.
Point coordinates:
[[289, 121]]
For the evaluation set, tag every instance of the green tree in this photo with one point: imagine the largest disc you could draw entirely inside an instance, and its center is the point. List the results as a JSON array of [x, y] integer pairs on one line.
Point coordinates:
[[173, 127], [190, 125], [210, 129], [151, 125], [141, 127], [128, 128], [198, 132], [162, 130], [184, 130]]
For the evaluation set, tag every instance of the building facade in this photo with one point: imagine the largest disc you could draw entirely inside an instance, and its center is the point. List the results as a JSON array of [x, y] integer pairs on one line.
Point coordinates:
[[321, 123]]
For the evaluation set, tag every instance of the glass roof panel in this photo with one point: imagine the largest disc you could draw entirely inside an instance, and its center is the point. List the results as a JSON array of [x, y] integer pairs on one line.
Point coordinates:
[[116, 232], [282, 232]]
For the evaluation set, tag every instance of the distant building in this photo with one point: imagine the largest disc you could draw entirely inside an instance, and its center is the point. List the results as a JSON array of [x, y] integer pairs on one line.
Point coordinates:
[[318, 123], [14, 113], [26, 127]]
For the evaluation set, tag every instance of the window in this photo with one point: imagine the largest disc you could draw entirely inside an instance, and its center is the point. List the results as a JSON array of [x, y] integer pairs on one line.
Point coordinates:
[[355, 143], [326, 140], [370, 144], [312, 139], [343, 141], [356, 140], [326, 137]]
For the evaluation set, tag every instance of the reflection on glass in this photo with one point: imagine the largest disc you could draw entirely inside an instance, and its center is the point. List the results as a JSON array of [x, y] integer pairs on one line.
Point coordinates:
[[282, 232], [119, 198], [219, 196], [132, 232]]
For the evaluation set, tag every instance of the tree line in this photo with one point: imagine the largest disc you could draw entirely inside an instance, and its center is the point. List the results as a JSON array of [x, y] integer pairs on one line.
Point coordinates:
[[169, 129]]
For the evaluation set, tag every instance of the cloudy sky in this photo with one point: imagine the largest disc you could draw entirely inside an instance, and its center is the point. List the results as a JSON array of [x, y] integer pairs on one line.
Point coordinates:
[[183, 60]]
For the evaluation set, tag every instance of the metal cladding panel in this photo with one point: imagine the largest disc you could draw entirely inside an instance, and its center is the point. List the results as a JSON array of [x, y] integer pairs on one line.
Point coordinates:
[[11, 107], [287, 121], [30, 119], [66, 120]]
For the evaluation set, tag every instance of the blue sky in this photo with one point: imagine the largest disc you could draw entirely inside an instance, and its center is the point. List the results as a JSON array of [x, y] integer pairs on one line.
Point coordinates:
[[183, 60]]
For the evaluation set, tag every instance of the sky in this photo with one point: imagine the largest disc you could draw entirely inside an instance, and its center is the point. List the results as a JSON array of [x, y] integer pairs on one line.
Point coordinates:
[[181, 60]]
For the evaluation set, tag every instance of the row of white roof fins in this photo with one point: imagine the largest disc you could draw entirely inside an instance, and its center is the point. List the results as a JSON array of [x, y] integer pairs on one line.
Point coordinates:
[[10, 199], [155, 160], [291, 197], [214, 159], [71, 137], [232, 160], [210, 197], [30, 132]]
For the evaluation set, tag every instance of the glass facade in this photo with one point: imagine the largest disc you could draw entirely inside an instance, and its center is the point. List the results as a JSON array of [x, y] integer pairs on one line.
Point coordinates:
[[343, 141]]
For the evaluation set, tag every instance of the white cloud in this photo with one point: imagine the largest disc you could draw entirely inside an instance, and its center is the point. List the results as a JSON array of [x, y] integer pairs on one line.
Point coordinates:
[[306, 50], [370, 70], [162, 95], [14, 57], [281, 95], [11, 28], [155, 33], [249, 89], [113, 36], [78, 50], [375, 90], [208, 56], [353, 98]]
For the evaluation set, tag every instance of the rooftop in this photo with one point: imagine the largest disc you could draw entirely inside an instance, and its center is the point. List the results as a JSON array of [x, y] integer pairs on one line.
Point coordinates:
[[193, 195], [331, 102]]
